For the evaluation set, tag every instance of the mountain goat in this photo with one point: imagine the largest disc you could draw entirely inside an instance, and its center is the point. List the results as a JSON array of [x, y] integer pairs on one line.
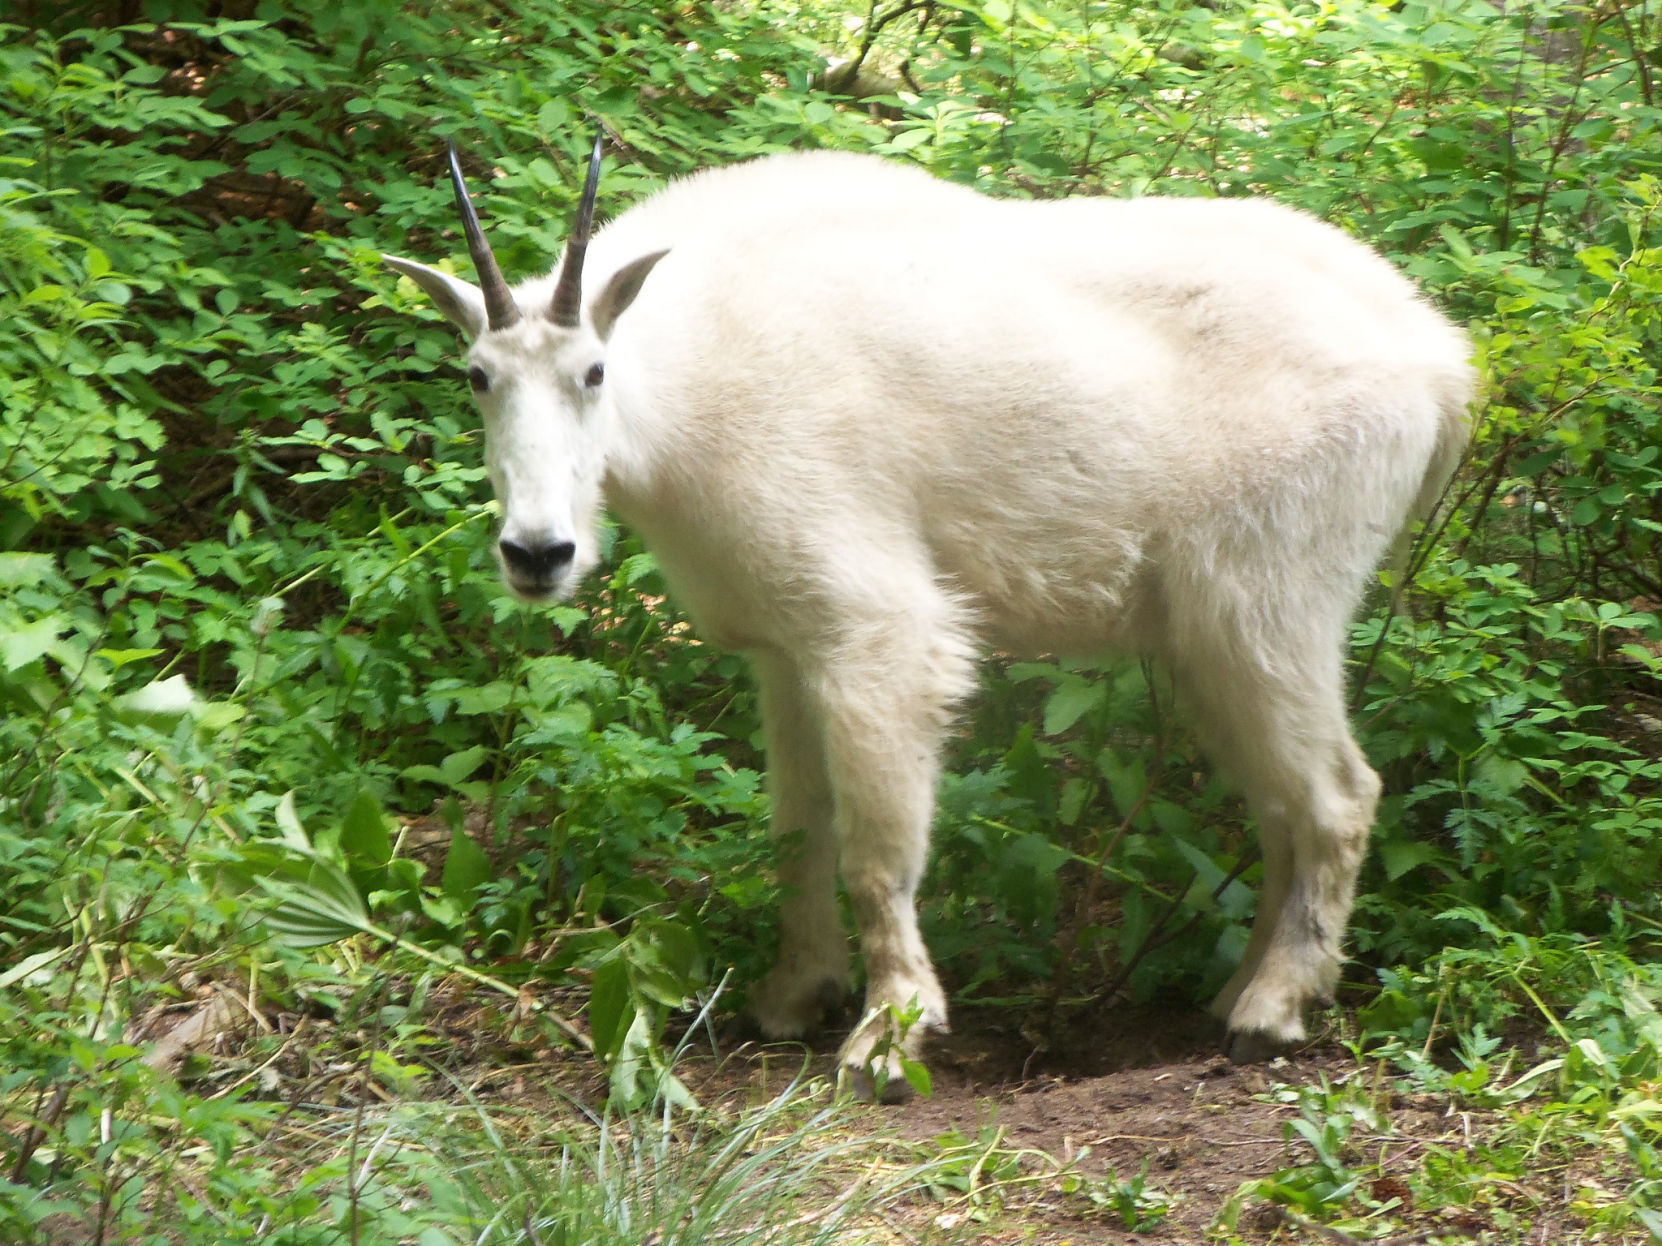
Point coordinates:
[[872, 424]]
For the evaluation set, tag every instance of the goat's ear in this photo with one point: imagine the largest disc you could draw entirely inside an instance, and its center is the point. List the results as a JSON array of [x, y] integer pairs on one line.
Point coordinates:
[[620, 291], [460, 301]]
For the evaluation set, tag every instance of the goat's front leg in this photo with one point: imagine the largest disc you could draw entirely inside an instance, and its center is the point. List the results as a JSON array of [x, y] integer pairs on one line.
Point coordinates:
[[811, 976], [886, 704]]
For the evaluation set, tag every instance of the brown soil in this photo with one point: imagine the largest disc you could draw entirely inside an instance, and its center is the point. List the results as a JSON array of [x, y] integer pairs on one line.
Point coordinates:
[[1136, 1088], [1042, 1138]]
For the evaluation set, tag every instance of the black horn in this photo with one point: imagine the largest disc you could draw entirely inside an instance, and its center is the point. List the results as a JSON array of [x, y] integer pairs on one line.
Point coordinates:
[[500, 308], [567, 305]]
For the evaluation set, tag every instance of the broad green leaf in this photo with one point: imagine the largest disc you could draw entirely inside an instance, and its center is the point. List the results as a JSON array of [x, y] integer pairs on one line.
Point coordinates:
[[164, 701], [466, 868], [1399, 856], [608, 1003], [917, 1074], [1073, 699], [22, 644], [363, 831], [322, 908], [21, 570], [31, 964], [288, 821], [459, 766]]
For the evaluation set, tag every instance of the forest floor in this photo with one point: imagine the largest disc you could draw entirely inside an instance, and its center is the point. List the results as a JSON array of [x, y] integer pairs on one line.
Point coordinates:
[[1139, 1132], [1145, 1089]]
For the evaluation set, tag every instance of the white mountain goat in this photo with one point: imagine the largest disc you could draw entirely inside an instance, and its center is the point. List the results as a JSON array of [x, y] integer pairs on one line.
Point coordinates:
[[872, 423]]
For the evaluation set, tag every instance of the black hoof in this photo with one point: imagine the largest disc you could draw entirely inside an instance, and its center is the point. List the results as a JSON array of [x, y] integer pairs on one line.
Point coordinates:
[[859, 1083], [1253, 1046]]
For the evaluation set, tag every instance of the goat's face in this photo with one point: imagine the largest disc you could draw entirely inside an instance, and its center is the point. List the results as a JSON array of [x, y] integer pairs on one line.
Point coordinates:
[[537, 367], [542, 391]]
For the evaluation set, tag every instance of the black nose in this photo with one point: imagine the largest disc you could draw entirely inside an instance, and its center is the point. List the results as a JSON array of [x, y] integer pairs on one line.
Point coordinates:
[[540, 564]]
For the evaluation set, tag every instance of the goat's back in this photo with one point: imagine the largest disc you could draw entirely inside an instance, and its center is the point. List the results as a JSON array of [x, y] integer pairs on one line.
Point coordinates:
[[1073, 411]]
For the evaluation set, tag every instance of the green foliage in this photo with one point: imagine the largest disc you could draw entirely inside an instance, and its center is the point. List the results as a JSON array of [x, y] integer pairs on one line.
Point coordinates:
[[270, 723], [1581, 1112], [1134, 1201], [978, 1176]]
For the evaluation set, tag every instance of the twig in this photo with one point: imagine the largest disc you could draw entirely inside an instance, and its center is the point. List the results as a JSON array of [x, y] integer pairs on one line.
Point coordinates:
[[1175, 1138], [1150, 943], [844, 75]]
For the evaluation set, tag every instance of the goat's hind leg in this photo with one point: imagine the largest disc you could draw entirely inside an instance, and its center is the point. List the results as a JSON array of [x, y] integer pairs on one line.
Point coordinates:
[[1325, 815], [1285, 741], [811, 976]]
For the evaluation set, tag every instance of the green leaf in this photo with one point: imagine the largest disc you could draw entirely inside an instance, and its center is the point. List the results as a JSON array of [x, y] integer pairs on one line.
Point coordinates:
[[1074, 794], [1208, 875], [161, 701], [30, 964], [1127, 779], [466, 868], [363, 831], [917, 136], [917, 1074], [633, 1067], [608, 1002], [1071, 701], [1398, 856], [21, 645], [455, 768], [121, 657], [22, 570], [323, 908], [288, 822]]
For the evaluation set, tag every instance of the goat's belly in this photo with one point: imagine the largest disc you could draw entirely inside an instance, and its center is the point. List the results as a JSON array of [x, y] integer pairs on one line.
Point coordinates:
[[1035, 606]]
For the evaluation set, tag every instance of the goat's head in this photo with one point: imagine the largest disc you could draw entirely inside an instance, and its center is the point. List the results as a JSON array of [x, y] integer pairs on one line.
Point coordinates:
[[539, 376]]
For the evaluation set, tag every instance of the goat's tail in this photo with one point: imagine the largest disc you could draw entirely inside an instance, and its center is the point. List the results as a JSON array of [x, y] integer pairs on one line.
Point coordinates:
[[1454, 431], [1453, 435]]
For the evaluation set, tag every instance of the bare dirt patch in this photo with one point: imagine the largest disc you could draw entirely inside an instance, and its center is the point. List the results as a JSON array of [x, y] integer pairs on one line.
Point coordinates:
[[1133, 1088], [1133, 1116]]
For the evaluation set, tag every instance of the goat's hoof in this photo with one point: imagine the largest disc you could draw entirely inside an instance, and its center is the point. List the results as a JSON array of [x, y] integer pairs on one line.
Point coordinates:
[[1254, 1046], [875, 1059], [794, 1012], [877, 1081]]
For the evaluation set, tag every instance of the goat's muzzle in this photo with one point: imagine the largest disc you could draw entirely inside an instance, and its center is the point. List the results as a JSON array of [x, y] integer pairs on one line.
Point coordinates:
[[536, 570]]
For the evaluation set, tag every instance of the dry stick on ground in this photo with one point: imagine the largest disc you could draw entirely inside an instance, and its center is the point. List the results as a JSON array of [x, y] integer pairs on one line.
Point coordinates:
[[282, 1050]]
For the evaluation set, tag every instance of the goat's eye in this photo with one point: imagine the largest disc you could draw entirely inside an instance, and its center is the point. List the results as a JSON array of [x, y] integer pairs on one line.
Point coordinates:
[[595, 375], [478, 380]]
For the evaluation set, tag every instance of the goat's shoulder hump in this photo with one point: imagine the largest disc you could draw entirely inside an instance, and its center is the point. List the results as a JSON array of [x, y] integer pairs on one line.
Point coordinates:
[[822, 180]]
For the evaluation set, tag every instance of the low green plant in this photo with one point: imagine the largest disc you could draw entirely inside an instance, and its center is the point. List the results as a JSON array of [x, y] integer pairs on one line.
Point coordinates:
[[1138, 1205]]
